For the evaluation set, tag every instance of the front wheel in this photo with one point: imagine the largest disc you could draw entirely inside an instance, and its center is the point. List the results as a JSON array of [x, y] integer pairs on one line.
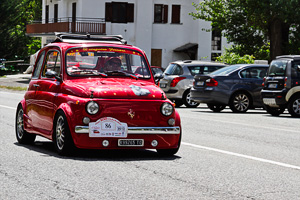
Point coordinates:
[[294, 106], [215, 107], [62, 138], [274, 111], [187, 100], [23, 136], [239, 103]]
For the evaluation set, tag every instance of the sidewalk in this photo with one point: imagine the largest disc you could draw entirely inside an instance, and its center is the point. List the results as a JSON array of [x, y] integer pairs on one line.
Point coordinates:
[[17, 80]]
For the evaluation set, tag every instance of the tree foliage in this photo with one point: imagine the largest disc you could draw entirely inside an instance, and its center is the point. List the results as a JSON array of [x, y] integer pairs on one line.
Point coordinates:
[[232, 58], [14, 15], [253, 24]]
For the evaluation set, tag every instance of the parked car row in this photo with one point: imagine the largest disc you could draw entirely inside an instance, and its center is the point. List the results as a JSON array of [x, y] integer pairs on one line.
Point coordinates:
[[274, 87]]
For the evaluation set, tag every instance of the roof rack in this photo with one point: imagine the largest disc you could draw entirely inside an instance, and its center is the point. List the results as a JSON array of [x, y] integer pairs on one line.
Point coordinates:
[[75, 38]]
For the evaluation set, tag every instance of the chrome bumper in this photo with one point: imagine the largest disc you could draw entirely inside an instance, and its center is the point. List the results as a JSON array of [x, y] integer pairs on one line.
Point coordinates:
[[138, 130]]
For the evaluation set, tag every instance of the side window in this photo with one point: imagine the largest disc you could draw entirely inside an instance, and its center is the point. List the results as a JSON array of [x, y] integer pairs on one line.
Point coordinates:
[[52, 63], [38, 66], [295, 72], [177, 70], [251, 73], [196, 70]]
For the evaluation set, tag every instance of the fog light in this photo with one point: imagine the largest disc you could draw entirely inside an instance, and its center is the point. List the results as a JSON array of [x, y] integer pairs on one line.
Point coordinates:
[[105, 143], [171, 122], [86, 120], [154, 143]]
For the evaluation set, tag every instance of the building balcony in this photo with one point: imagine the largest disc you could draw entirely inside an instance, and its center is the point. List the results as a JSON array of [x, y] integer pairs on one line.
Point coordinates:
[[79, 25]]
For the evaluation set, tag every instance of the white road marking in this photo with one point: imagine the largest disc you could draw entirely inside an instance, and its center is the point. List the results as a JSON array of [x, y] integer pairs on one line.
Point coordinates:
[[242, 155], [2, 106]]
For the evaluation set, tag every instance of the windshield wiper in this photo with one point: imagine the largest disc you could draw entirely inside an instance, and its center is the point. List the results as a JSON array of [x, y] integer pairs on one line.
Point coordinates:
[[86, 72], [117, 73]]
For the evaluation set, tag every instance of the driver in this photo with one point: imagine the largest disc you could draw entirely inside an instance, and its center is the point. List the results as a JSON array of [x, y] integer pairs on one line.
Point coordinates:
[[113, 64]]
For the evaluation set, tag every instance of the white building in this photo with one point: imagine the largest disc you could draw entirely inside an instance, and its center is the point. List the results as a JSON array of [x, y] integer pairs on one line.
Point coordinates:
[[162, 28]]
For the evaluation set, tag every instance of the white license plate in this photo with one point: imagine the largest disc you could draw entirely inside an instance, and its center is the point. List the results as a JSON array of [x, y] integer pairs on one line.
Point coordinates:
[[108, 127], [130, 142], [269, 101], [200, 83], [163, 85], [272, 85]]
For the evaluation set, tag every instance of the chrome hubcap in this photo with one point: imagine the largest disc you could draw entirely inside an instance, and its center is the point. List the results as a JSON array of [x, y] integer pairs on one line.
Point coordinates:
[[60, 132], [20, 127], [296, 106], [188, 99], [241, 102]]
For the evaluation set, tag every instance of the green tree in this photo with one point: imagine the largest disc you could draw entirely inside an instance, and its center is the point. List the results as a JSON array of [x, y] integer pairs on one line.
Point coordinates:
[[14, 15], [232, 58], [253, 24]]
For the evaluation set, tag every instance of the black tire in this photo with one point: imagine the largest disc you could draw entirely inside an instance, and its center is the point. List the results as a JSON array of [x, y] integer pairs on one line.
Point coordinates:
[[239, 102], [274, 111], [62, 137], [23, 136], [216, 107], [294, 106], [187, 100], [169, 152]]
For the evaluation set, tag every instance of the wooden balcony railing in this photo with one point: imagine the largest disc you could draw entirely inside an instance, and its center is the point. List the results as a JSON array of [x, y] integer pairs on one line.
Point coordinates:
[[62, 25]]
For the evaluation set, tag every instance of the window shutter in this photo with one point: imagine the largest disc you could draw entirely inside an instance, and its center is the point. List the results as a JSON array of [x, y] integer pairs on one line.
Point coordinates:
[[175, 14], [108, 12], [165, 20], [130, 12]]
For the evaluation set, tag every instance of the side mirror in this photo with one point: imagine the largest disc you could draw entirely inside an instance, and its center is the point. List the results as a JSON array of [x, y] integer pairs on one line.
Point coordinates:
[[157, 77], [52, 74]]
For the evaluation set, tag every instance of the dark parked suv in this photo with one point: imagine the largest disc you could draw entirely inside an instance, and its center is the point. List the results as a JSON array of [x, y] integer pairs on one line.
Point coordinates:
[[238, 86], [282, 86]]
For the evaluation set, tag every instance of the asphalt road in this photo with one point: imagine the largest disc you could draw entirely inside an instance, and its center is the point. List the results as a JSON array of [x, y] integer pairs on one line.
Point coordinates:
[[223, 156]]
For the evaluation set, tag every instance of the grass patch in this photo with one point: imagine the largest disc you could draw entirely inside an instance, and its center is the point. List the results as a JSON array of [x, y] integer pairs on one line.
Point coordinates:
[[14, 88]]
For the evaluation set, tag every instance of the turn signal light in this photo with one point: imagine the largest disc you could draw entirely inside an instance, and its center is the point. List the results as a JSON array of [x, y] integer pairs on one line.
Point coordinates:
[[176, 80], [211, 82]]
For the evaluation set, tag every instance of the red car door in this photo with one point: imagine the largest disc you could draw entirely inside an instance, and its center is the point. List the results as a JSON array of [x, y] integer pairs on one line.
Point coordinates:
[[46, 90]]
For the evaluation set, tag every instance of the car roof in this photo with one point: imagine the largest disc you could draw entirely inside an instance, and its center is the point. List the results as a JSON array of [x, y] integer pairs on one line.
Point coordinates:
[[197, 62], [294, 57]]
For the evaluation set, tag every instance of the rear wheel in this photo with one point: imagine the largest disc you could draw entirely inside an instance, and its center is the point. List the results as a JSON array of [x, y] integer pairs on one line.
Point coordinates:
[[294, 106], [274, 111], [23, 136], [239, 102], [187, 100], [216, 107], [62, 138]]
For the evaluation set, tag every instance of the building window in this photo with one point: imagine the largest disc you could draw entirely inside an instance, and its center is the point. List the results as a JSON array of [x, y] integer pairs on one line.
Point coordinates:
[[175, 14], [160, 13], [55, 13], [216, 39], [47, 14], [119, 12]]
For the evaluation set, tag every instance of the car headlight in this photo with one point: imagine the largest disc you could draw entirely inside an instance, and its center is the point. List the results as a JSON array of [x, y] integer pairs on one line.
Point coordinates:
[[92, 107], [167, 109]]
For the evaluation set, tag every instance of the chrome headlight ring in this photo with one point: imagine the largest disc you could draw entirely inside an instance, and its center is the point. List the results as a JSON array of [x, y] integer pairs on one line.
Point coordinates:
[[167, 109], [92, 107]]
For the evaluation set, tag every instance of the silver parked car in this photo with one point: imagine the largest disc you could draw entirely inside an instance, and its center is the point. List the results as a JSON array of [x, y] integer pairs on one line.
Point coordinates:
[[178, 79]]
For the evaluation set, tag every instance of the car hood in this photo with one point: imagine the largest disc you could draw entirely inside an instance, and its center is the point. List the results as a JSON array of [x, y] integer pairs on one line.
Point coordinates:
[[113, 88]]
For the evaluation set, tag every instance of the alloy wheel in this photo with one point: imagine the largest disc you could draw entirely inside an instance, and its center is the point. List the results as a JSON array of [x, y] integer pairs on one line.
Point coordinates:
[[60, 132]]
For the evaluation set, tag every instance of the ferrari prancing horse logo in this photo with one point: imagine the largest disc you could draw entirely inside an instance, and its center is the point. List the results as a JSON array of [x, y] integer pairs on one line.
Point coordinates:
[[131, 113]]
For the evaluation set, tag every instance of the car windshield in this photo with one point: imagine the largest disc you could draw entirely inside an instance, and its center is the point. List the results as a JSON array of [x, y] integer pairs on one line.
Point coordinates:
[[226, 70], [106, 61], [277, 68]]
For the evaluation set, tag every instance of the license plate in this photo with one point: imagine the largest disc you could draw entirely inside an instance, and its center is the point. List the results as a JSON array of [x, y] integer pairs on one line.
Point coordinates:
[[163, 85], [108, 127], [200, 83], [269, 101], [272, 85], [130, 142]]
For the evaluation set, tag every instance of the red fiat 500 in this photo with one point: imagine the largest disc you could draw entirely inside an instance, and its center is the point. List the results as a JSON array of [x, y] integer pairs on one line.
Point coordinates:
[[84, 93]]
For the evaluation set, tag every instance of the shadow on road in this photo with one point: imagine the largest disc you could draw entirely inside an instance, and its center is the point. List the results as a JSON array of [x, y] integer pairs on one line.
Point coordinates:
[[47, 148]]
